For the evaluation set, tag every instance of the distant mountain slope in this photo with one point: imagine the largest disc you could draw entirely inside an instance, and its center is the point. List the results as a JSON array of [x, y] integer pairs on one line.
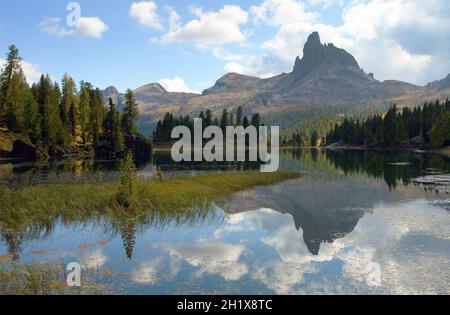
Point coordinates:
[[326, 76]]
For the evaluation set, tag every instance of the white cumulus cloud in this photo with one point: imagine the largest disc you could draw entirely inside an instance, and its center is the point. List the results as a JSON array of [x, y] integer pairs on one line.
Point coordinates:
[[145, 13], [87, 26], [213, 258], [175, 84], [395, 39], [212, 28]]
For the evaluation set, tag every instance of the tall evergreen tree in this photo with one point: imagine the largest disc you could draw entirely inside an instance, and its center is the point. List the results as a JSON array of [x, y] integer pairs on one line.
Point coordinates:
[[130, 115], [48, 99], [32, 117], [208, 118], [69, 110], [12, 66], [15, 102], [224, 120], [239, 115], [440, 132], [314, 138], [85, 109], [97, 117], [112, 128], [256, 120], [245, 122]]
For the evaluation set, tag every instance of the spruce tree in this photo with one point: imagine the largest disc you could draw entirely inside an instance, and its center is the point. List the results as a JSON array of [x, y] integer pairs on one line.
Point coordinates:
[[97, 116], [239, 116], [112, 128], [15, 102], [12, 66], [314, 139], [245, 123], [85, 109], [256, 120], [32, 118], [128, 180], [208, 118], [440, 132], [224, 120], [130, 115], [69, 108]]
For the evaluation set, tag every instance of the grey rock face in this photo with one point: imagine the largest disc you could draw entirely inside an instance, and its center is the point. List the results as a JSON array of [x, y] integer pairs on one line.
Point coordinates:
[[113, 93], [315, 55], [325, 76]]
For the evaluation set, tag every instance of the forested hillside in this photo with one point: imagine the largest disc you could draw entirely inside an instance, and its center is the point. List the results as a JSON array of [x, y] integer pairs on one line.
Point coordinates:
[[53, 116], [422, 126]]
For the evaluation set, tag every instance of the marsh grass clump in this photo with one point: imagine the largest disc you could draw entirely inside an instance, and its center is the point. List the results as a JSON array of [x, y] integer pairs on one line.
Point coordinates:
[[38, 209], [128, 180], [46, 279], [28, 280]]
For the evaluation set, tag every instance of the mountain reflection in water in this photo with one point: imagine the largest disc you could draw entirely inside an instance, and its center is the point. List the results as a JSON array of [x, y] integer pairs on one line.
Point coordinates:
[[315, 234]]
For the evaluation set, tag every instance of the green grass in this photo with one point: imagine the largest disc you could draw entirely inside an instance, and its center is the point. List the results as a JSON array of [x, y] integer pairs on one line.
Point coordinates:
[[48, 279], [185, 199]]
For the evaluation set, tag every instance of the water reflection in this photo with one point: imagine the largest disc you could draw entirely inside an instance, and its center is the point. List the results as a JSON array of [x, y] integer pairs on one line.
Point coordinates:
[[17, 230], [393, 167], [315, 234]]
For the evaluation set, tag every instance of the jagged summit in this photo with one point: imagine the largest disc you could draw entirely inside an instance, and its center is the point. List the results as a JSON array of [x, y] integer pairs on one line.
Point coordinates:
[[111, 89], [325, 76], [316, 55], [111, 92], [444, 83]]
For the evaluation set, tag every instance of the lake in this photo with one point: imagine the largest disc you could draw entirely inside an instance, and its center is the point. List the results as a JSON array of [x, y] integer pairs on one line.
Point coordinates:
[[356, 222]]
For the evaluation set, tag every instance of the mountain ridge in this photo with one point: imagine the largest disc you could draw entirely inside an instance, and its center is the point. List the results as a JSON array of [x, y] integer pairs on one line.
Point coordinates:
[[326, 76]]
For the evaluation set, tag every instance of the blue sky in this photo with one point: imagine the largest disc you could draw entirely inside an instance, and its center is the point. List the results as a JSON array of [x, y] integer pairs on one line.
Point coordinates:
[[187, 45]]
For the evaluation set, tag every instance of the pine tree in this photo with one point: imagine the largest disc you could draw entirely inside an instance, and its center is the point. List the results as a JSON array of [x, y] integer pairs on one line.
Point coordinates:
[[69, 109], [239, 116], [112, 128], [202, 118], [224, 120], [391, 136], [32, 118], [126, 190], [15, 102], [231, 120], [440, 132], [12, 66], [314, 139], [256, 120], [245, 123], [85, 109], [131, 112], [97, 116], [208, 118]]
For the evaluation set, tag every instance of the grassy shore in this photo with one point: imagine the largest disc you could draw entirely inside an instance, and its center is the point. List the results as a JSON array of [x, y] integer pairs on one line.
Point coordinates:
[[81, 201]]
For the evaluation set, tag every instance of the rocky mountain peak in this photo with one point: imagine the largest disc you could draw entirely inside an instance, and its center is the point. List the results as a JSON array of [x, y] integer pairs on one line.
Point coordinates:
[[111, 90], [232, 81], [316, 54], [113, 93], [444, 83], [152, 88]]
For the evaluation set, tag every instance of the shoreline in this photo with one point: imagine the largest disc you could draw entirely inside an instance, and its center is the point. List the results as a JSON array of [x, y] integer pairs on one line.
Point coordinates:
[[443, 151]]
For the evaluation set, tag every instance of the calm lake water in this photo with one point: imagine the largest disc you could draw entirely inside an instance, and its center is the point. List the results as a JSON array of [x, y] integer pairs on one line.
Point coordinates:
[[351, 214]]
